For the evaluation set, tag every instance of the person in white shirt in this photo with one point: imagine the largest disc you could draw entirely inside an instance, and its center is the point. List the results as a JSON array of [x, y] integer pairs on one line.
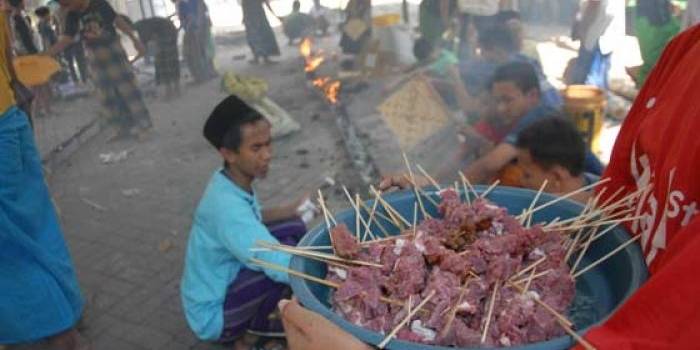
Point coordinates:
[[600, 26]]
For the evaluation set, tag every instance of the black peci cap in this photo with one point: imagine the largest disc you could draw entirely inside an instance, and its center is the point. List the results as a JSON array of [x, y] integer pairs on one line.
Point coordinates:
[[227, 114]]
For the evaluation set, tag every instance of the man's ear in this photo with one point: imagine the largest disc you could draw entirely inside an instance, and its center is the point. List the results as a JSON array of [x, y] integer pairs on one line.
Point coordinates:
[[228, 155]]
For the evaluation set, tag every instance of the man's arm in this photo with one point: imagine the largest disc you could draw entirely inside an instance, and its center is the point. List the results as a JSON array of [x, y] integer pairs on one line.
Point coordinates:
[[125, 28], [486, 167], [279, 213], [467, 103], [63, 42]]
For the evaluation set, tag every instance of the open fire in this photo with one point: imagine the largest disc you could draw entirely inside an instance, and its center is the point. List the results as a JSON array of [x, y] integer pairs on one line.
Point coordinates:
[[312, 60]]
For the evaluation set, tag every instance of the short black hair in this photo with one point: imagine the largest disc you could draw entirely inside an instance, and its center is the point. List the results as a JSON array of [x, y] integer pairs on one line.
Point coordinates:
[[15, 3], [522, 74], [422, 48], [234, 137], [223, 126], [296, 5], [497, 37], [42, 12], [554, 141]]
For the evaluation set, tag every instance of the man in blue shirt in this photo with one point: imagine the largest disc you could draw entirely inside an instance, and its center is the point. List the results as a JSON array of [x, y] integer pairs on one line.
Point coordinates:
[[222, 294], [517, 97], [498, 46]]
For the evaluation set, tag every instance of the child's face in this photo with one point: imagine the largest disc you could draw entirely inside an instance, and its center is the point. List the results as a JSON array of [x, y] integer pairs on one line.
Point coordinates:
[[533, 175]]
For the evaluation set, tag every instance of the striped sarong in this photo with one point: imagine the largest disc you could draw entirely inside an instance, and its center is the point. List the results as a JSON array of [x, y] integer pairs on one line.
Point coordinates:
[[116, 84], [252, 297]]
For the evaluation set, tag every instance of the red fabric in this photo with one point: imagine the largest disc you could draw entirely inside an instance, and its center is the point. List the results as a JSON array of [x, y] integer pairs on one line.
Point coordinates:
[[492, 132], [659, 144]]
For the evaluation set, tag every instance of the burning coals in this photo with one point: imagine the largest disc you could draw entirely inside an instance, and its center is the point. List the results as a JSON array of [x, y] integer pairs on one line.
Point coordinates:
[[482, 276], [312, 60]]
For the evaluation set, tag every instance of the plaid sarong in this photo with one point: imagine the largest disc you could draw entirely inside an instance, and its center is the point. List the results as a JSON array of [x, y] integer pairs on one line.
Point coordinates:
[[167, 61], [116, 83], [252, 296]]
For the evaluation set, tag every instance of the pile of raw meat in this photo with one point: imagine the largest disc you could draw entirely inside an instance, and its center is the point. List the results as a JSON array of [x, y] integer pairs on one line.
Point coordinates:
[[462, 256]]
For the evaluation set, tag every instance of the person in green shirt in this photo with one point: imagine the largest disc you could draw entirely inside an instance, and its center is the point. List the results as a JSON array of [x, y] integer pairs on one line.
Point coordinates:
[[655, 26]]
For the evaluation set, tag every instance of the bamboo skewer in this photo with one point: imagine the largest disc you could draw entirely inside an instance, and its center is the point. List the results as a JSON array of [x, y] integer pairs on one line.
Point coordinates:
[[490, 312], [528, 268], [529, 279], [430, 178], [570, 249], [358, 217], [331, 257], [534, 201], [326, 213], [551, 310], [488, 190], [566, 196], [467, 198], [607, 256], [410, 315], [390, 238], [608, 207], [391, 217], [415, 218], [368, 230], [420, 190], [468, 185], [583, 251], [321, 281], [595, 224], [453, 310], [588, 218], [563, 322], [390, 210], [412, 179], [534, 276]]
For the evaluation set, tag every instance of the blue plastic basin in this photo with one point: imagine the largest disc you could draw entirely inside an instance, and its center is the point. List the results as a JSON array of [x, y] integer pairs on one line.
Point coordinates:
[[600, 290]]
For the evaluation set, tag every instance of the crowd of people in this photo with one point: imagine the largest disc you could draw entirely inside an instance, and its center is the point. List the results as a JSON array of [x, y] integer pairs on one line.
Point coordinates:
[[475, 54]]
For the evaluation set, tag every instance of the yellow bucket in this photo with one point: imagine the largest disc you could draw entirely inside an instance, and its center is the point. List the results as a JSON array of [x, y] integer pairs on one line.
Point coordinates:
[[585, 104], [386, 20]]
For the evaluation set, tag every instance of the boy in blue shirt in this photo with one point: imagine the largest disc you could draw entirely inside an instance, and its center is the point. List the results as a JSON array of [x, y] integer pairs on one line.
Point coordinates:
[[223, 296]]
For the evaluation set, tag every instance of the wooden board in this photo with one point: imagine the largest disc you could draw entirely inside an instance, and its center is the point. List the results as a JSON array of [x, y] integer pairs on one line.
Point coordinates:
[[414, 112], [355, 28]]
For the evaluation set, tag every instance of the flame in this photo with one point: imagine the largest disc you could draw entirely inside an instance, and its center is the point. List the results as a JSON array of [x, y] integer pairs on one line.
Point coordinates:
[[331, 90], [305, 48], [313, 60], [313, 63], [320, 82]]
